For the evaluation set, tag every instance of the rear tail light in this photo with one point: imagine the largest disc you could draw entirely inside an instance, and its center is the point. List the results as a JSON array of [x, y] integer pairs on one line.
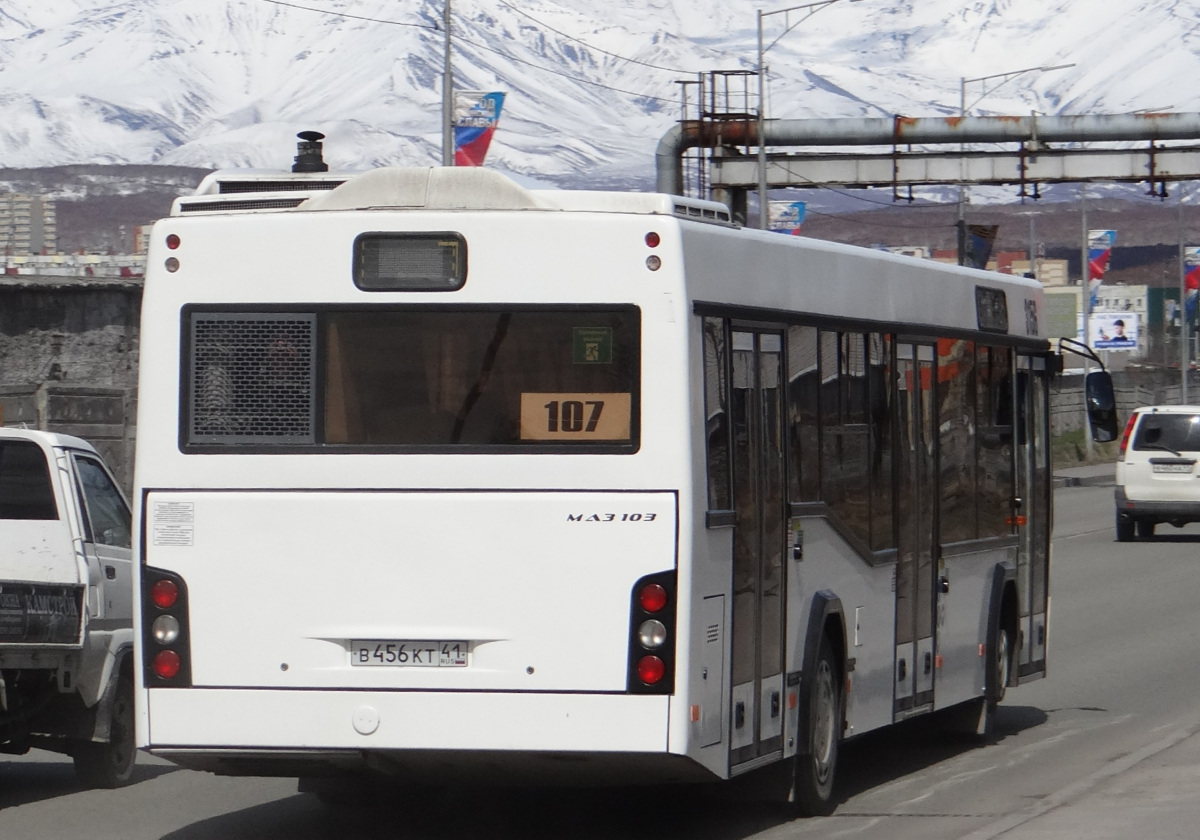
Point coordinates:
[[652, 597], [166, 651], [650, 670], [1128, 431], [652, 635], [166, 664], [164, 593]]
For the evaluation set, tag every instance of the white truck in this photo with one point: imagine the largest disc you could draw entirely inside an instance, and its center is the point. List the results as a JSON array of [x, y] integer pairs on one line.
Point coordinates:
[[66, 606]]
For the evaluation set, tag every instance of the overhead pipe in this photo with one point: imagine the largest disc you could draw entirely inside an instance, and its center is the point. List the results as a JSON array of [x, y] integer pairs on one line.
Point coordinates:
[[882, 131]]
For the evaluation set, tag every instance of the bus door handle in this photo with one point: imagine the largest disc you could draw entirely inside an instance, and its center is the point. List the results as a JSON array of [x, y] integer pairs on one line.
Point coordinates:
[[774, 704], [944, 584]]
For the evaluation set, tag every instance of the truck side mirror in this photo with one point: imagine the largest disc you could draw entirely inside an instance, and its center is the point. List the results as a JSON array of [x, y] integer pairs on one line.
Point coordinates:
[[1101, 406]]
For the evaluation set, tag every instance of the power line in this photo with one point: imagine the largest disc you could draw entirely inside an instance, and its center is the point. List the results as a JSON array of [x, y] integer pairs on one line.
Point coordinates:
[[590, 46], [512, 58], [355, 17], [578, 79]]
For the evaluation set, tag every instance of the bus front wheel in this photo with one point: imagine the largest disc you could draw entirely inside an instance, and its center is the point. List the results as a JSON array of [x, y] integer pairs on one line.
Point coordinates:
[[816, 765]]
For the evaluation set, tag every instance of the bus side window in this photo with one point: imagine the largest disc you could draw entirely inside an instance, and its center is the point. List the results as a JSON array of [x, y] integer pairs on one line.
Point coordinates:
[[716, 413], [803, 396], [994, 467], [879, 371], [956, 440]]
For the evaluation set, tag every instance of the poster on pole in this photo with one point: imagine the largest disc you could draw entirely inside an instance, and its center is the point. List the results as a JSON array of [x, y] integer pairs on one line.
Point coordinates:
[[1100, 245], [476, 115], [1114, 330], [786, 216]]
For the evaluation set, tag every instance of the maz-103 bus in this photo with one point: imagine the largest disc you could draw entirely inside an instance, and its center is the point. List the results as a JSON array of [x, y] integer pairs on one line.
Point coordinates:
[[443, 478]]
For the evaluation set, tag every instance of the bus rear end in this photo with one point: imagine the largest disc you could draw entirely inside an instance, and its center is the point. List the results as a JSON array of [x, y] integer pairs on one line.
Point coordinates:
[[327, 621], [401, 515]]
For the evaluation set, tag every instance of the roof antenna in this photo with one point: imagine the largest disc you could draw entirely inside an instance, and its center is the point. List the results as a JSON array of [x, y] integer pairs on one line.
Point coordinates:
[[308, 153]]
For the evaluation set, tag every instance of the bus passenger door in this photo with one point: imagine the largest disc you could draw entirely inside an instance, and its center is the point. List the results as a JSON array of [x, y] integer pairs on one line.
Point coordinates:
[[1032, 511], [760, 516], [917, 496]]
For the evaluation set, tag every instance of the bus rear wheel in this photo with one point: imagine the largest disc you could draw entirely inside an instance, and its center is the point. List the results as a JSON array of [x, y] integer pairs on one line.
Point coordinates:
[[816, 763]]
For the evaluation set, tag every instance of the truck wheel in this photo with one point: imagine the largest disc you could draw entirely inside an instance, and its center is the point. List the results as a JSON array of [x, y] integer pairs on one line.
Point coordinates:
[[816, 765], [110, 765]]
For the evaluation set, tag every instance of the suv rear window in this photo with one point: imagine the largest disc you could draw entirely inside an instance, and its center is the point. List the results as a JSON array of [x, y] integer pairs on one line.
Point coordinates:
[[1178, 432], [25, 490]]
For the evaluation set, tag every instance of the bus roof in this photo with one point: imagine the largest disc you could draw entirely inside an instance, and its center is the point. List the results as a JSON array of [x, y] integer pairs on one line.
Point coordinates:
[[421, 188]]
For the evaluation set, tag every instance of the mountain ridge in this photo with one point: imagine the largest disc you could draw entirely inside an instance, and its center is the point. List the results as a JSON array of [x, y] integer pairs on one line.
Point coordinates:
[[592, 85]]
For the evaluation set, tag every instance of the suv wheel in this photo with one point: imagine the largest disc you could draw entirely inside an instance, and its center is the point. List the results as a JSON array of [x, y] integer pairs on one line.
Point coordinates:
[[1145, 529], [1124, 528]]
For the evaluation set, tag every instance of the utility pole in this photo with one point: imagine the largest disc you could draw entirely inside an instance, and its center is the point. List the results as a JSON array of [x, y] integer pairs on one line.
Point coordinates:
[[1184, 355], [447, 93], [1085, 283], [810, 9]]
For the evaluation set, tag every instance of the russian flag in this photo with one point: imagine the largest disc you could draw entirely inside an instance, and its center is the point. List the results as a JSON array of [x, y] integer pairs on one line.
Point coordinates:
[[476, 115]]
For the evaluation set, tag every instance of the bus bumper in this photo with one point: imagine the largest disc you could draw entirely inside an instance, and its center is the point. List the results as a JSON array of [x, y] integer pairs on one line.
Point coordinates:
[[310, 733]]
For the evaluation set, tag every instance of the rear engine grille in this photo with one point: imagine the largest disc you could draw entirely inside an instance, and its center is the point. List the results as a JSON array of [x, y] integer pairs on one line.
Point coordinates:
[[252, 378]]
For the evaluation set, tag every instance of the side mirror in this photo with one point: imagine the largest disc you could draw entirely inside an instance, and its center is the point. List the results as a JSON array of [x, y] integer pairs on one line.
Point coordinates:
[[1101, 406]]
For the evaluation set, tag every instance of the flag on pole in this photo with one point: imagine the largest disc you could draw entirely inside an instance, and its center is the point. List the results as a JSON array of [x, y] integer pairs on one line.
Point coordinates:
[[1191, 279], [1100, 245], [476, 115], [978, 241]]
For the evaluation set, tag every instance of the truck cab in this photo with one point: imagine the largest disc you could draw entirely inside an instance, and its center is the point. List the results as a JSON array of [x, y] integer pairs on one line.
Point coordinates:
[[66, 611]]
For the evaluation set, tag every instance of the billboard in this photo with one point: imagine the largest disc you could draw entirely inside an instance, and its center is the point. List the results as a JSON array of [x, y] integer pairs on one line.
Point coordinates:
[[1114, 330], [786, 216], [476, 115], [1062, 316]]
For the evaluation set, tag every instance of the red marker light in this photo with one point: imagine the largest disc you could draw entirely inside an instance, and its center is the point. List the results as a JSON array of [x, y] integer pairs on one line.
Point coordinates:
[[652, 598], [164, 593], [652, 239], [166, 664], [173, 241], [650, 669]]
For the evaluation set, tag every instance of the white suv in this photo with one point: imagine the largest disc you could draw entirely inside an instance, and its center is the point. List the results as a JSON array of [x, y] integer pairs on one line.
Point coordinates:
[[1157, 477]]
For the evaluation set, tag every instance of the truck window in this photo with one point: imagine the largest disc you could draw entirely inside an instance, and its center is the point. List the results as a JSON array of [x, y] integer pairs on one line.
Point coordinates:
[[25, 490], [108, 516]]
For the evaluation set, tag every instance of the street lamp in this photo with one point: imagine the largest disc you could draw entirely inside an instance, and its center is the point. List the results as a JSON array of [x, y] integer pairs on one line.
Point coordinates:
[[812, 9], [962, 112]]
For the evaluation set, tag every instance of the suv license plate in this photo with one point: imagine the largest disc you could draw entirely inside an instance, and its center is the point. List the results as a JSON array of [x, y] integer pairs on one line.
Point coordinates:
[[408, 654], [1172, 468]]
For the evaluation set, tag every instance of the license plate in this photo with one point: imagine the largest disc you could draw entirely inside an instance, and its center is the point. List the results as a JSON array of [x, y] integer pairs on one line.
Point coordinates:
[[408, 654], [1172, 468]]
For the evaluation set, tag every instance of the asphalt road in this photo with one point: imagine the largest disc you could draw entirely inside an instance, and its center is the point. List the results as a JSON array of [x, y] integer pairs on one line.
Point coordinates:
[[1120, 709]]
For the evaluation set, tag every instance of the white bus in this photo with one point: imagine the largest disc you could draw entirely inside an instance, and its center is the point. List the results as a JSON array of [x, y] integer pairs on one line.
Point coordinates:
[[440, 478]]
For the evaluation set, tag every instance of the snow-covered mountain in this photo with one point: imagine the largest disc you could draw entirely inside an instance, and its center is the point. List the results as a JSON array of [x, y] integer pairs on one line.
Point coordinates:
[[592, 84]]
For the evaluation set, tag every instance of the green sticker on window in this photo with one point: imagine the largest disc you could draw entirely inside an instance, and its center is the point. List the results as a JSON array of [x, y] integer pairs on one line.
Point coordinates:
[[592, 345]]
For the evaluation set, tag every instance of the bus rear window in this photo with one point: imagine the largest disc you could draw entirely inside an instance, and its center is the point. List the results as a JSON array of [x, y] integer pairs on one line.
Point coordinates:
[[426, 378]]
